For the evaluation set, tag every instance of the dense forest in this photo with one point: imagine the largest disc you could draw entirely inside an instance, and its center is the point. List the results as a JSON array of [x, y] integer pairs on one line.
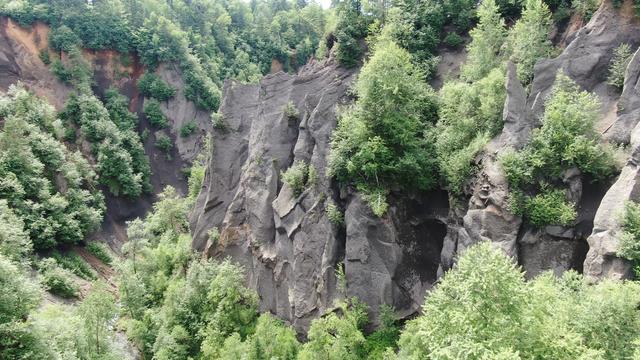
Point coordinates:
[[398, 134]]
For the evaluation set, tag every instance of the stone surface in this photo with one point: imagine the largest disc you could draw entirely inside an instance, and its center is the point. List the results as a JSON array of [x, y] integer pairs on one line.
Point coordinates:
[[486, 216], [287, 245]]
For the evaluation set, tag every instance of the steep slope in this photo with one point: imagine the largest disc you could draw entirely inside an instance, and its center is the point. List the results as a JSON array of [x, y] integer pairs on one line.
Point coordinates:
[[585, 60], [20, 61], [287, 244], [290, 248]]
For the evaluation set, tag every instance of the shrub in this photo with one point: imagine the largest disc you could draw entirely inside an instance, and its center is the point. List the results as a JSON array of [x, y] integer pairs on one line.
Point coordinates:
[[217, 121], [470, 115], [297, 177], [453, 40], [196, 178], [60, 71], [566, 140], [290, 110], [152, 86], [351, 28], [335, 216], [187, 129], [33, 163], [549, 207], [377, 200], [164, 143], [74, 263], [58, 280], [118, 107], [621, 58], [44, 56], [485, 309], [629, 241], [154, 114], [63, 38], [101, 251]]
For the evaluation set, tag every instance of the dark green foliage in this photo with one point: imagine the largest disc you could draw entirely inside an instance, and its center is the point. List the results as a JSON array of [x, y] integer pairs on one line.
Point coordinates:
[[44, 56], [417, 27], [151, 85], [101, 251], [154, 114], [57, 280], [188, 129], [63, 39], [621, 58], [164, 143], [209, 41], [75, 71], [385, 337], [566, 140], [33, 167], [351, 29], [629, 241], [60, 71], [121, 162], [380, 142], [74, 263], [453, 40], [118, 107]]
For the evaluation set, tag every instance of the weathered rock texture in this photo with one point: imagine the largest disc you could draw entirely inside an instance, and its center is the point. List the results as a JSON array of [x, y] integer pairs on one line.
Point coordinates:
[[290, 248], [20, 61], [585, 60], [287, 244]]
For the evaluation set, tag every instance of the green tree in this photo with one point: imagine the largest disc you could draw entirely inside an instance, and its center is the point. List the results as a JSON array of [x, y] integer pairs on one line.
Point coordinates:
[[529, 38], [337, 336], [351, 29], [380, 142], [487, 40], [14, 240], [484, 309], [470, 114], [566, 140], [63, 39], [621, 58], [96, 311], [137, 241], [629, 241]]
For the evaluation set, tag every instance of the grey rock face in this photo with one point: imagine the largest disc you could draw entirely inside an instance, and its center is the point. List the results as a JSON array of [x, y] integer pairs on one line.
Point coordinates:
[[287, 244], [586, 60], [180, 112]]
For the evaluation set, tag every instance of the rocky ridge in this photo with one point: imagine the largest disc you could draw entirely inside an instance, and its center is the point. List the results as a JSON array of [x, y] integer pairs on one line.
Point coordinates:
[[291, 250]]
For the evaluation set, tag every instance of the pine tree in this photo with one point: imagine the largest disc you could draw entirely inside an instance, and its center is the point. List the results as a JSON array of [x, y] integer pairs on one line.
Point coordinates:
[[529, 38], [487, 39]]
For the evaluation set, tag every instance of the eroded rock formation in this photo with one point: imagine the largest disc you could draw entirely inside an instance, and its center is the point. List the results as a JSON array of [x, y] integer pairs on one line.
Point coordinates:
[[289, 247]]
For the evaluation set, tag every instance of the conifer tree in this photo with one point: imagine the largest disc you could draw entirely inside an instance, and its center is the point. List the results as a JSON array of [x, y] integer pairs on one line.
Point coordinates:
[[529, 38], [487, 39]]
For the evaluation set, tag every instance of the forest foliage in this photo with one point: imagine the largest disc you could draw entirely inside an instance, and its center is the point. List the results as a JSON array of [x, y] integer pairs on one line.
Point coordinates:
[[398, 135]]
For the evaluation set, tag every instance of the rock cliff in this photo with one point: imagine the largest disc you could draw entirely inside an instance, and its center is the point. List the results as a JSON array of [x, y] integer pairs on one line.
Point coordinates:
[[290, 248]]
